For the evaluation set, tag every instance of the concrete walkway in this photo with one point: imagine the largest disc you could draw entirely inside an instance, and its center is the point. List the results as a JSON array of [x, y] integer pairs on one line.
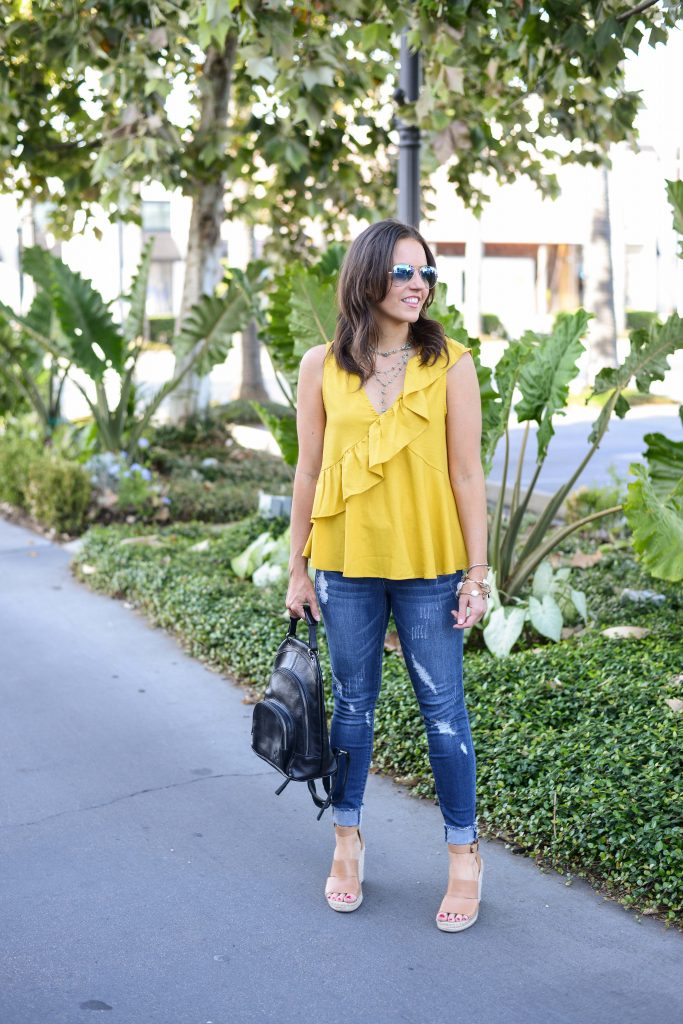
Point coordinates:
[[149, 874]]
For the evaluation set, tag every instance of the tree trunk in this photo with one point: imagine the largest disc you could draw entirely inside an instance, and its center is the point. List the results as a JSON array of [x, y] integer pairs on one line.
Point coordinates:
[[204, 250], [598, 295], [252, 384]]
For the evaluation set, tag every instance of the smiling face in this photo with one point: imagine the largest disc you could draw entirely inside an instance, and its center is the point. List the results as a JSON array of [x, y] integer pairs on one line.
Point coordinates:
[[402, 303]]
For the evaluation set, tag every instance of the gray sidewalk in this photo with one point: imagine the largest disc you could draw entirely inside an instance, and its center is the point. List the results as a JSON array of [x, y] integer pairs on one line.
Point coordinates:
[[149, 872]]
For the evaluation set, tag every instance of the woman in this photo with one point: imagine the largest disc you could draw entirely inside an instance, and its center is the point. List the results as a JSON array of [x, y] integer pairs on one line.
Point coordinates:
[[390, 477]]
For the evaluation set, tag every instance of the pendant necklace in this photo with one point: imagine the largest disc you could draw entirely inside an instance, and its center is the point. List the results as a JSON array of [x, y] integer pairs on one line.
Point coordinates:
[[386, 377]]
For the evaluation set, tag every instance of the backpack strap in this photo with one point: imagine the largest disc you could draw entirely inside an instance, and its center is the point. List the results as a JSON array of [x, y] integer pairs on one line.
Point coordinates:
[[312, 628], [329, 781]]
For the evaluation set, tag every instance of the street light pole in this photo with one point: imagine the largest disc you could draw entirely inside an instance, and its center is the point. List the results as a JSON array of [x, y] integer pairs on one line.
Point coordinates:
[[409, 137]]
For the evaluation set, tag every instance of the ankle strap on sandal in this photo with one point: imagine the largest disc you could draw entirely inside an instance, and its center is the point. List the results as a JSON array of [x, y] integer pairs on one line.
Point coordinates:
[[465, 848]]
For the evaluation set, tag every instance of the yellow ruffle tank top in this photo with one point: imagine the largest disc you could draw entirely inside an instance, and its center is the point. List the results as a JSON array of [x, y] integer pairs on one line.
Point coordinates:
[[383, 503]]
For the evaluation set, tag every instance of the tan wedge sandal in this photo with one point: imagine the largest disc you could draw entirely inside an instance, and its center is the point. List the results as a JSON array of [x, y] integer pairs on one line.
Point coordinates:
[[461, 889], [346, 877]]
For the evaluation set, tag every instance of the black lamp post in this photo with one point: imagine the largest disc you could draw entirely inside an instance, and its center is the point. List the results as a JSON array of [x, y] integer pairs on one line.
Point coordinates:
[[409, 138]]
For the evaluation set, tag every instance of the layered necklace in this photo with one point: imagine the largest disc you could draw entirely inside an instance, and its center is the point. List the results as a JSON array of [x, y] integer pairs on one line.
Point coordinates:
[[388, 375]]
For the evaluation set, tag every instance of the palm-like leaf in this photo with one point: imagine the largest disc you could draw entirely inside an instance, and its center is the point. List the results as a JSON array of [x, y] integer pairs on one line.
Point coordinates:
[[206, 337], [313, 312], [94, 340], [647, 361], [134, 325], [277, 335], [544, 377]]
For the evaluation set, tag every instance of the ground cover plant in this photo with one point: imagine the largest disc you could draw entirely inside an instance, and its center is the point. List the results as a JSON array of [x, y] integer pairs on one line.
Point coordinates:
[[578, 744]]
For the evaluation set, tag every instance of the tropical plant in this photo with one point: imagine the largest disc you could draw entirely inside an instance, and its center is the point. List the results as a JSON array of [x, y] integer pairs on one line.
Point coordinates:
[[71, 327], [30, 377], [264, 561], [654, 507]]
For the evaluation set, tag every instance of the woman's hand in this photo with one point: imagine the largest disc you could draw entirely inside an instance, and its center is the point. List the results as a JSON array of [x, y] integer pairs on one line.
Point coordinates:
[[467, 617], [300, 592]]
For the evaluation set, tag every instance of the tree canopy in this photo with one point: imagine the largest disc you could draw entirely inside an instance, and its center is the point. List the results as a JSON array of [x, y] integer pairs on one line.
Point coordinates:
[[290, 104]]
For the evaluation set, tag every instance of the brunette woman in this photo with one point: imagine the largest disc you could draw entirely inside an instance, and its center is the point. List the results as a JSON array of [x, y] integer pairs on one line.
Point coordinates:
[[390, 508]]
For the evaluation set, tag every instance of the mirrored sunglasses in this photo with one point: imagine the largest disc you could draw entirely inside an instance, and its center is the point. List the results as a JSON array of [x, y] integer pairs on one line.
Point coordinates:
[[403, 272]]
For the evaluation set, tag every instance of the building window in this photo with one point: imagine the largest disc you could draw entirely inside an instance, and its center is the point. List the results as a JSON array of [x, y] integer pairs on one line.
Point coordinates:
[[156, 217]]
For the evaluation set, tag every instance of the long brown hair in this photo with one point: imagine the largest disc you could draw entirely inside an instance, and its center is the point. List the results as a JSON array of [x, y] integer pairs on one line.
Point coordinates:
[[364, 280]]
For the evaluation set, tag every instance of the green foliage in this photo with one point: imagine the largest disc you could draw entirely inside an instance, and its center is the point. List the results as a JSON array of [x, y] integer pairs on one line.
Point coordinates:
[[55, 491], [220, 502], [70, 325], [30, 377], [308, 86], [586, 500], [552, 601], [58, 494], [17, 454], [664, 458], [657, 525], [579, 756], [493, 326], [283, 429]]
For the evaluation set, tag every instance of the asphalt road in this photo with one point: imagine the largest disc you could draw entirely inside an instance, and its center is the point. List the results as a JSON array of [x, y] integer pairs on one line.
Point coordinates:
[[622, 444], [149, 874]]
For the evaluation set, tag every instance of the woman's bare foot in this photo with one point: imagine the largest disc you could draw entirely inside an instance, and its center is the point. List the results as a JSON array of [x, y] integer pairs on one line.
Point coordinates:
[[460, 906], [343, 887]]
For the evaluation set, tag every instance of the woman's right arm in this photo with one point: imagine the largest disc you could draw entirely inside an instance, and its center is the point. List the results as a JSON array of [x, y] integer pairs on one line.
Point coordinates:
[[310, 426]]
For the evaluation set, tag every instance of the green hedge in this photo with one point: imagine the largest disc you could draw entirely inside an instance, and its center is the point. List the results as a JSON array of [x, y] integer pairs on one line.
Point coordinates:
[[54, 491], [579, 757]]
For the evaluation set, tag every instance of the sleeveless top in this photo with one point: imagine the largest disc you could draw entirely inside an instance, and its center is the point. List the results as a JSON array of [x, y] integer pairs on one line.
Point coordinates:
[[383, 504]]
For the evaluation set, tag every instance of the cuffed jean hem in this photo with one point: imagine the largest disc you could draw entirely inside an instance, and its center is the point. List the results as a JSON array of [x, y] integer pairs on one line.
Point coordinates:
[[460, 836], [352, 817]]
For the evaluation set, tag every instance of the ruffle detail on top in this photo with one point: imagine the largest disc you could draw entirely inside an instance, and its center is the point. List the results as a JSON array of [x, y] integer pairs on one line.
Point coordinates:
[[361, 466]]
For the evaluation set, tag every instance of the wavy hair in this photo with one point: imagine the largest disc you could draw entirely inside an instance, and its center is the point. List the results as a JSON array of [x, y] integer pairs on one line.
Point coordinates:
[[364, 280]]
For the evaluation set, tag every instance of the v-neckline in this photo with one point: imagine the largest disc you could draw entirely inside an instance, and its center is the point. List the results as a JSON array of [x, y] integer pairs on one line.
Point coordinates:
[[398, 396]]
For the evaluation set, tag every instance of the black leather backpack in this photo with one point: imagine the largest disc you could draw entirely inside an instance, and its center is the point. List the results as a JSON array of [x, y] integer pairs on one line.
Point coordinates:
[[289, 726]]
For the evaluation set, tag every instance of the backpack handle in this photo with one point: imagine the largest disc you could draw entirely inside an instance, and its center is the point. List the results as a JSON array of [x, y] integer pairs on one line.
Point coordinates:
[[312, 627]]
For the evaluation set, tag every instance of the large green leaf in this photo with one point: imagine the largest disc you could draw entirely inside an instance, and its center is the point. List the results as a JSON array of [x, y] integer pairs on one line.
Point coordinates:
[[134, 324], [647, 361], [506, 373], [546, 616], [447, 314], [93, 339], [544, 378], [664, 458], [206, 337], [277, 335], [313, 309], [674, 190], [657, 526], [503, 629], [283, 429]]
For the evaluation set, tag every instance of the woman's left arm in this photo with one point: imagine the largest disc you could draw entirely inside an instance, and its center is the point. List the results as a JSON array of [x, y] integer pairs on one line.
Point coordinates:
[[463, 436]]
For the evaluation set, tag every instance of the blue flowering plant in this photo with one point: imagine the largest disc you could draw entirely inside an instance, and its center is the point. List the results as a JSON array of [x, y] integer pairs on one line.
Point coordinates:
[[124, 484]]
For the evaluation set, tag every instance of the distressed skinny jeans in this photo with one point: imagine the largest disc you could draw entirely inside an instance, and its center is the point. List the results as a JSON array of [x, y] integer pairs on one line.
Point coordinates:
[[355, 611]]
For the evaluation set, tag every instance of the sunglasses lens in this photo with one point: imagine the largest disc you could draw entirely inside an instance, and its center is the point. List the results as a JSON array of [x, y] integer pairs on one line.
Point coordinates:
[[429, 276], [402, 272]]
